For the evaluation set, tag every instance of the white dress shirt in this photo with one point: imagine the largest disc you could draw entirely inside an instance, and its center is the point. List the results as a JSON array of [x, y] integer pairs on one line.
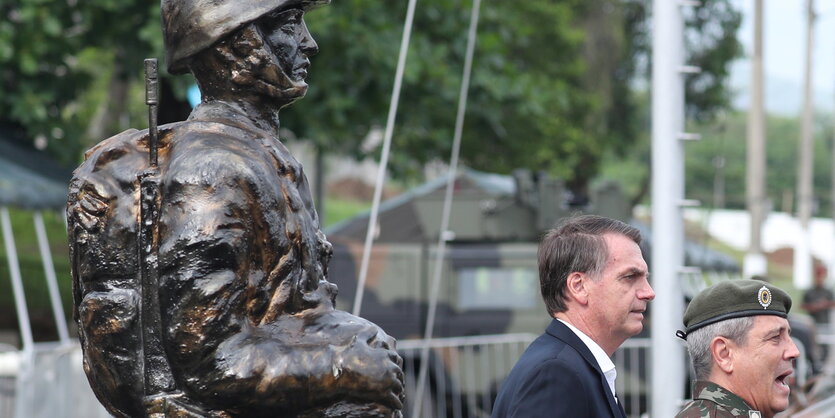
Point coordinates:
[[602, 358]]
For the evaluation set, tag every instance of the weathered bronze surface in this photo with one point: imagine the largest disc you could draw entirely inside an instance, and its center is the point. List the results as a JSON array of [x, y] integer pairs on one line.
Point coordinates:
[[216, 254]]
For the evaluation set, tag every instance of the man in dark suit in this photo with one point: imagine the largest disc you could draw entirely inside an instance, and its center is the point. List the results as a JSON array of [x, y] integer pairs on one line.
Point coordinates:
[[594, 282]]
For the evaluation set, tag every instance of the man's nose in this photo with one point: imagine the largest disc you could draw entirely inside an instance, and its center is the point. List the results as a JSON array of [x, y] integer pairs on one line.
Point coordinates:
[[792, 352], [646, 292]]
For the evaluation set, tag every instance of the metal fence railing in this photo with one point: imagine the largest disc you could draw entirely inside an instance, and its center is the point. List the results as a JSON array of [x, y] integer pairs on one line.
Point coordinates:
[[47, 382], [466, 373], [7, 393], [632, 362]]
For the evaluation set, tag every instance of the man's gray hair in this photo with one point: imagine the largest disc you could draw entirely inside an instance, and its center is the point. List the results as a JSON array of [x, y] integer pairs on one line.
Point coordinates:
[[698, 341]]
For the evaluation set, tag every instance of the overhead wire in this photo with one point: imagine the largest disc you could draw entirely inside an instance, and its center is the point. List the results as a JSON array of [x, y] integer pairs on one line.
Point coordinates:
[[373, 216], [384, 157], [443, 235]]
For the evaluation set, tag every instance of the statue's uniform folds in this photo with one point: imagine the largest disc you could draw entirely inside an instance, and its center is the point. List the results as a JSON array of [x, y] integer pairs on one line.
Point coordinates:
[[248, 323]]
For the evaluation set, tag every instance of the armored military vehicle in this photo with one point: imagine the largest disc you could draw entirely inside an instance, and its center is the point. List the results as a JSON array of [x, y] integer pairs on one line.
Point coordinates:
[[489, 284]]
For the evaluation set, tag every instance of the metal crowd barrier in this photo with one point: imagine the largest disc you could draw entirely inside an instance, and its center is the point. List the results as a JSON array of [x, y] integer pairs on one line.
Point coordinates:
[[49, 382], [465, 373]]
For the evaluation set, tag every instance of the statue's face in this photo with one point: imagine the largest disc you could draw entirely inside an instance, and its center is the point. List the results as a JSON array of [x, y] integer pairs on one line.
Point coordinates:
[[288, 46]]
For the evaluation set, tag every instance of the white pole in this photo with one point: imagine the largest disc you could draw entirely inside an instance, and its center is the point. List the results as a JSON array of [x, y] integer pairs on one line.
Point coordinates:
[[668, 377], [24, 404], [831, 265], [17, 281], [384, 158], [442, 235], [51, 280], [755, 262], [802, 250]]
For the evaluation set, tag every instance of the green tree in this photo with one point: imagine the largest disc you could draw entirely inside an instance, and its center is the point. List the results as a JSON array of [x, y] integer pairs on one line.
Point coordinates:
[[724, 141], [71, 70], [711, 45], [526, 86], [39, 77], [553, 87]]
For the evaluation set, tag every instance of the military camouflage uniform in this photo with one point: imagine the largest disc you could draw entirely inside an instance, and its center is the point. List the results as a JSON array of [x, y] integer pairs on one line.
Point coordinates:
[[713, 401]]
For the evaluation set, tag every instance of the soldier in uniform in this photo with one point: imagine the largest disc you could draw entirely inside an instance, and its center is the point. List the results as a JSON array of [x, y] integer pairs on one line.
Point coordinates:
[[740, 344], [246, 315]]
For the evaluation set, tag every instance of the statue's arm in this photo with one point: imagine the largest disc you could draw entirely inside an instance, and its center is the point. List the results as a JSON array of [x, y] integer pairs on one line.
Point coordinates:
[[205, 264], [226, 339]]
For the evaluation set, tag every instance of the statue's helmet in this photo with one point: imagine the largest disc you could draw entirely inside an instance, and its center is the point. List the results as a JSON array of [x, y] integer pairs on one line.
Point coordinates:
[[190, 26]]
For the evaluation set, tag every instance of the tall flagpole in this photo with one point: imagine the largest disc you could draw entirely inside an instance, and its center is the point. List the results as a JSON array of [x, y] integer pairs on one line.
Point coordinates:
[[668, 72], [755, 262], [802, 250]]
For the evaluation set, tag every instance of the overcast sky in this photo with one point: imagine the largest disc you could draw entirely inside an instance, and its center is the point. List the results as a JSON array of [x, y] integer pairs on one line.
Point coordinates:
[[785, 43]]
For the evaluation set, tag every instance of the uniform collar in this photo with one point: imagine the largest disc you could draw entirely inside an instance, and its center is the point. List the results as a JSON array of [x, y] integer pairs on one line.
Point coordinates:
[[226, 113], [709, 391]]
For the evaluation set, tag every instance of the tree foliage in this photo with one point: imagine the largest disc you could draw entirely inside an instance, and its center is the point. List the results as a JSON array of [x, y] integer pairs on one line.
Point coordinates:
[[526, 85], [711, 45], [553, 85], [553, 88], [39, 75], [718, 160], [65, 65]]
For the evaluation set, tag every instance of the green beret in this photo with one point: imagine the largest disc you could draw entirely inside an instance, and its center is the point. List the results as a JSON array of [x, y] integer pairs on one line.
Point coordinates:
[[734, 299]]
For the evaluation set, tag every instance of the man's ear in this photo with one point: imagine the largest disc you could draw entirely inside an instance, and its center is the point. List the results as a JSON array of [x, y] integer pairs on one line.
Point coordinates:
[[576, 287], [723, 351]]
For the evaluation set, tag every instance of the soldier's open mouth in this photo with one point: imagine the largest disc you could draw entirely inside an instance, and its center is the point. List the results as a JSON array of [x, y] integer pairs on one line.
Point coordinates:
[[782, 379]]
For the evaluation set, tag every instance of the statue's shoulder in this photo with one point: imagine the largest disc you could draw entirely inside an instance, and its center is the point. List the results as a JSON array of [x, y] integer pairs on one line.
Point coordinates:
[[108, 173], [116, 148], [214, 137], [216, 152], [123, 155], [107, 179]]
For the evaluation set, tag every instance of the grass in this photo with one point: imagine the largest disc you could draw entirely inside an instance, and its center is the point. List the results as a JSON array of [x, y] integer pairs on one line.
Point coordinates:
[[337, 210]]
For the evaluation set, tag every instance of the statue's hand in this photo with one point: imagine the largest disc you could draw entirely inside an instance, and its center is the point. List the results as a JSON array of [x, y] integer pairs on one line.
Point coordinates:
[[322, 361], [369, 364], [364, 363]]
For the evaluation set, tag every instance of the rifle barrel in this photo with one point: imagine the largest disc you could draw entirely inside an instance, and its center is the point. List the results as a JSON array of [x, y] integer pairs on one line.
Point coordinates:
[[152, 100]]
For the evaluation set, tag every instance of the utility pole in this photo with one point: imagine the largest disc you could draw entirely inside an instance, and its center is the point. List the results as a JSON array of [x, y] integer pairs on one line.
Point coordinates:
[[802, 250], [832, 207], [755, 262], [668, 72]]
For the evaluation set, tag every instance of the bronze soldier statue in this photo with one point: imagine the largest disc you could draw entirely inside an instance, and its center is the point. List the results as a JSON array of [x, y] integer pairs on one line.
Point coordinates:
[[210, 298]]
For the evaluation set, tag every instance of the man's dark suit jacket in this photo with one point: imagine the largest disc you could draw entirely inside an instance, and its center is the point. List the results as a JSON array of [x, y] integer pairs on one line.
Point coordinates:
[[557, 376]]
